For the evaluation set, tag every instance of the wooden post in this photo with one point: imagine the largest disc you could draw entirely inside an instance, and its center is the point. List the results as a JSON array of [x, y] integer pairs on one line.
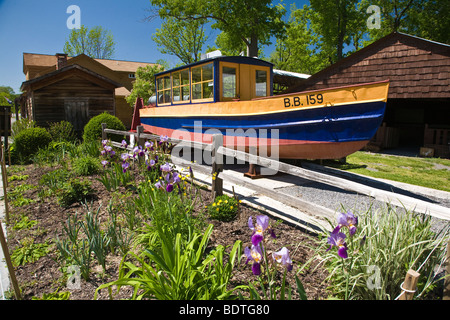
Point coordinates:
[[5, 183], [139, 140], [9, 264], [104, 137], [446, 295], [217, 166], [409, 285]]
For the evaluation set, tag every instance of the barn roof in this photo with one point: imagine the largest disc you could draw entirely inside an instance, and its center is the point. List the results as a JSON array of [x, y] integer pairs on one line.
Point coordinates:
[[416, 68], [66, 72], [46, 60]]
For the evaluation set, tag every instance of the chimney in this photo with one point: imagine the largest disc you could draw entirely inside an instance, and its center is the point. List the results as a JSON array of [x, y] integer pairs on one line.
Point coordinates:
[[61, 60]]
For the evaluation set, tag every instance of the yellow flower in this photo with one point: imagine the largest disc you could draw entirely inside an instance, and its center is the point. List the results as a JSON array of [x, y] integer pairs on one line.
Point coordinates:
[[214, 204], [217, 209], [226, 201], [231, 207]]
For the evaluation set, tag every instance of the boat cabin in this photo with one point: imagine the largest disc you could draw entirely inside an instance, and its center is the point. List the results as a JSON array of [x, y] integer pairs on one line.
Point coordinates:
[[215, 79]]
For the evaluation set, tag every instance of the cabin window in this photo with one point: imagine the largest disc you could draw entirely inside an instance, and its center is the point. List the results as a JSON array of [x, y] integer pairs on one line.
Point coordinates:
[[163, 89], [180, 86], [202, 82], [229, 82], [261, 83]]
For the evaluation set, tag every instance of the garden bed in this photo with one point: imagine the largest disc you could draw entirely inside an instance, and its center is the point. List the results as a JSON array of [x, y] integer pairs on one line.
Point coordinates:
[[48, 274]]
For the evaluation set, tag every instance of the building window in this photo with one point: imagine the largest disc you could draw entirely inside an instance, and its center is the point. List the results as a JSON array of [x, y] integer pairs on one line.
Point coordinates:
[[163, 89], [202, 84], [261, 83], [180, 86], [229, 82], [131, 76]]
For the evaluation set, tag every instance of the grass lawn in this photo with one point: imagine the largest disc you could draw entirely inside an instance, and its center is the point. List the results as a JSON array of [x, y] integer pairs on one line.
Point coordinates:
[[427, 172]]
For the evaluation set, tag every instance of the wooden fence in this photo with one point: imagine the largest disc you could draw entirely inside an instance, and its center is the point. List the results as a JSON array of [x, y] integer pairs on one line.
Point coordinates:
[[218, 152]]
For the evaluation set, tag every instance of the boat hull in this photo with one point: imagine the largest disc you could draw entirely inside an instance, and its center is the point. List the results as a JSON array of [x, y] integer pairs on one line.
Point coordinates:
[[291, 127]]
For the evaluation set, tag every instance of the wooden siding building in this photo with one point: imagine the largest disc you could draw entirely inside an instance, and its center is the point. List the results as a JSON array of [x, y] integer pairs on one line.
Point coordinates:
[[58, 87], [418, 107]]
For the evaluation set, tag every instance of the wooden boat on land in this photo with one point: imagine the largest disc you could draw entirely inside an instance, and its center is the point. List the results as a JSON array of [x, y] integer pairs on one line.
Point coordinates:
[[233, 96]]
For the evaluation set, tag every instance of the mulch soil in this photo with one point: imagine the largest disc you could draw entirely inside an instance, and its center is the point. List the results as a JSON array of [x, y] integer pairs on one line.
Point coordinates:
[[46, 276]]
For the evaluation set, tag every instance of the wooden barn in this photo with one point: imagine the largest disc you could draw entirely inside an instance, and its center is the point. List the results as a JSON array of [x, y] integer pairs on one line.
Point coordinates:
[[59, 87], [418, 108]]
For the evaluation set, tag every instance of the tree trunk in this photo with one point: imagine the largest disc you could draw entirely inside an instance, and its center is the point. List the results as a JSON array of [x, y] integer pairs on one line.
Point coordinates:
[[252, 46]]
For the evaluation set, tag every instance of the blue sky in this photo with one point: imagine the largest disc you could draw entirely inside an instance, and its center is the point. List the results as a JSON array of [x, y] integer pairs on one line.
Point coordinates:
[[40, 26]]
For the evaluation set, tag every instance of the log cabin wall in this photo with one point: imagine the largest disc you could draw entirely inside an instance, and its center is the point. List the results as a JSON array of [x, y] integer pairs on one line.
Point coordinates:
[[73, 99]]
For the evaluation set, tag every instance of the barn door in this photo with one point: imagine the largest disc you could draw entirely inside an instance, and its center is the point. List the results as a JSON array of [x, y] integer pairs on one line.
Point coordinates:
[[77, 111]]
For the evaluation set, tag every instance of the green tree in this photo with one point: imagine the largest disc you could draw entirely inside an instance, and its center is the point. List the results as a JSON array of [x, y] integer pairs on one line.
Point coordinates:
[[432, 22], [252, 22], [97, 43], [7, 93], [144, 85], [182, 38], [299, 51], [332, 23]]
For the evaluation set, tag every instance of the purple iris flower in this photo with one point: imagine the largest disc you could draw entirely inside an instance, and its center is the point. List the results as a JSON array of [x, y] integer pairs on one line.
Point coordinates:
[[104, 163], [137, 151], [163, 139], [282, 257], [254, 254], [125, 156], [124, 144], [104, 142], [176, 177], [125, 166], [159, 185], [337, 239], [148, 145], [166, 167], [169, 187], [262, 224], [150, 164], [348, 220]]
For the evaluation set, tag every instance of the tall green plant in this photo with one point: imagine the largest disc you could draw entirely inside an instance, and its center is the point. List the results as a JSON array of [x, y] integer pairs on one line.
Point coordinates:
[[386, 245], [179, 270]]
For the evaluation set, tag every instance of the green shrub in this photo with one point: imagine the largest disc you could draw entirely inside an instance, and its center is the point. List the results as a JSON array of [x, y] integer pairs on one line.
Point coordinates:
[[93, 129], [62, 131], [85, 166], [55, 179], [29, 252], [75, 190], [28, 141], [224, 208], [20, 125], [65, 295]]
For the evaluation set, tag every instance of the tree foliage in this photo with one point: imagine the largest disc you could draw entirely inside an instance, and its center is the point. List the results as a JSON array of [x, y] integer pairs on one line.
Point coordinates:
[[252, 22], [96, 43], [325, 31], [7, 93], [144, 85], [182, 38]]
